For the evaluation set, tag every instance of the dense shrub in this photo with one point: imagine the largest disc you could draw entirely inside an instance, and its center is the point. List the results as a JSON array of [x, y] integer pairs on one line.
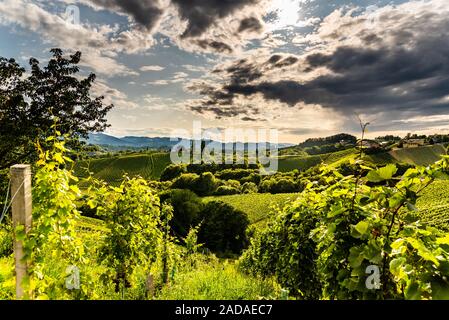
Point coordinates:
[[333, 234], [206, 184], [172, 171], [223, 228], [186, 209], [6, 246], [203, 185], [225, 190], [235, 174], [253, 177], [185, 181], [283, 185], [284, 249], [249, 187]]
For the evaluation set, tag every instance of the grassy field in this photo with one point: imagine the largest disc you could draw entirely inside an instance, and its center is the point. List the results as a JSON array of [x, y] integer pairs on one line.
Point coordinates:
[[420, 156], [289, 163], [218, 280], [257, 206], [434, 204], [147, 165]]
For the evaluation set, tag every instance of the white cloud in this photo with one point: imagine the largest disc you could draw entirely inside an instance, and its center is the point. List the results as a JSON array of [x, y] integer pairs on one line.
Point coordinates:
[[151, 68], [99, 44]]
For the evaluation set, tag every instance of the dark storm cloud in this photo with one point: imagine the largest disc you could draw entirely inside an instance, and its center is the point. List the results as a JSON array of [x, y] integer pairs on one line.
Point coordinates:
[[408, 73], [252, 119], [215, 45], [250, 24], [244, 72], [202, 14], [147, 13], [218, 111]]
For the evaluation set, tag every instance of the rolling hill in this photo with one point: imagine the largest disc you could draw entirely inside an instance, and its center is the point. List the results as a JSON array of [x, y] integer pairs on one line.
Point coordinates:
[[132, 142], [419, 156], [112, 169], [150, 165]]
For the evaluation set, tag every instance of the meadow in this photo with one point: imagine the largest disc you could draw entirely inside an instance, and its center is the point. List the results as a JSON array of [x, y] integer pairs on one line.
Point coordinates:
[[112, 169], [257, 206]]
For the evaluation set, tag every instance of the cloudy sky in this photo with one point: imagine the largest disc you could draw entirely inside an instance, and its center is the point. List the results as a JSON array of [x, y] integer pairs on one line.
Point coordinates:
[[304, 67]]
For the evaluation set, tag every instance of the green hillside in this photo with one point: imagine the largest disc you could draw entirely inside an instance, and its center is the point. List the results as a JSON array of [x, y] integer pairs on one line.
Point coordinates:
[[419, 156], [433, 204], [111, 170], [289, 163], [151, 165], [258, 205]]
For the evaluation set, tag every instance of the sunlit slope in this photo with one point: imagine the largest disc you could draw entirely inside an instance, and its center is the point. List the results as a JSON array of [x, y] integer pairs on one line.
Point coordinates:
[[112, 169]]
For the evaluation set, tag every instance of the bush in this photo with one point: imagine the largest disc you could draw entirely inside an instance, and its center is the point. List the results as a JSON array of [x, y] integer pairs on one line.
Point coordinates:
[[172, 171], [223, 228], [6, 245], [249, 187], [206, 184], [330, 237], [253, 177], [226, 191], [203, 185], [234, 174], [186, 209], [232, 183], [275, 252], [185, 181], [283, 185]]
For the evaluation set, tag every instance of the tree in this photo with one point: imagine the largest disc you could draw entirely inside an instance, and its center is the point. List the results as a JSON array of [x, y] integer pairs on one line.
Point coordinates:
[[172, 171], [186, 208], [31, 105], [223, 228]]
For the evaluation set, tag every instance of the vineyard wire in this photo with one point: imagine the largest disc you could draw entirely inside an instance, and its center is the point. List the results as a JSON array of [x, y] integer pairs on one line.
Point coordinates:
[[7, 206]]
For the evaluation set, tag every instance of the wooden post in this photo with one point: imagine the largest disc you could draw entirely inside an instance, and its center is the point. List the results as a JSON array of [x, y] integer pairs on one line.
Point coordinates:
[[21, 215]]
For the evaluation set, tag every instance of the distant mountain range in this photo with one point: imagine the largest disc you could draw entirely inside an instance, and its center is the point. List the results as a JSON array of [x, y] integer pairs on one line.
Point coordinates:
[[133, 142]]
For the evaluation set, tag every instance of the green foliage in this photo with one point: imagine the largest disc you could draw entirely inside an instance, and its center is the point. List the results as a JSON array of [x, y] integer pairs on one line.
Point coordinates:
[[249, 187], [226, 190], [6, 246], [282, 185], [112, 169], [172, 171], [186, 209], [203, 185], [131, 213], [191, 241], [257, 205], [54, 227], [212, 280], [223, 229], [30, 102], [357, 226], [285, 250], [7, 280]]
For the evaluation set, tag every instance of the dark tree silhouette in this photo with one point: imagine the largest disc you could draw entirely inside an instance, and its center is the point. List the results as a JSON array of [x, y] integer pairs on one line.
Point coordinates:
[[30, 104]]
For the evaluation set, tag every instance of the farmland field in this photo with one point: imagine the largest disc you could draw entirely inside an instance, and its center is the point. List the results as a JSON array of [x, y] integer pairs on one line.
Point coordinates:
[[257, 206], [419, 156], [289, 163], [434, 204], [111, 170]]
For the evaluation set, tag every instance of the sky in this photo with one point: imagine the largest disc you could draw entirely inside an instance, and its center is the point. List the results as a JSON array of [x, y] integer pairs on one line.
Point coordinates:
[[307, 68]]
